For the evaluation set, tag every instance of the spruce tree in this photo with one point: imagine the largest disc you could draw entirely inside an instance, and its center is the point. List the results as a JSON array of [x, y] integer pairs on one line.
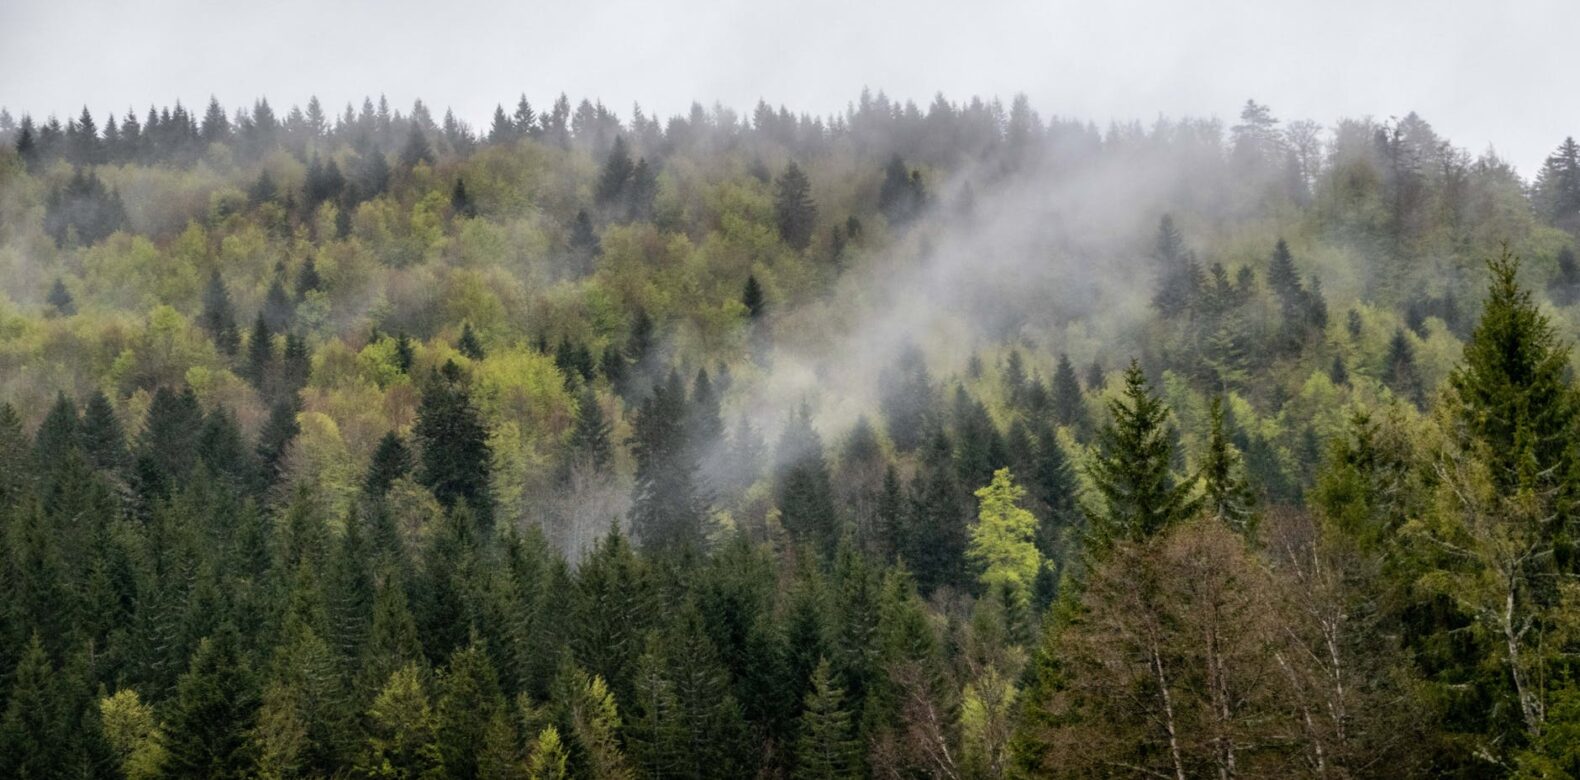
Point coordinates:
[[391, 461], [60, 299], [461, 204], [468, 701], [826, 748], [453, 442], [616, 174], [1138, 493], [1399, 370], [668, 508], [103, 437], [215, 707], [468, 344], [803, 491], [401, 730], [219, 316], [794, 211], [1227, 494], [1512, 391]]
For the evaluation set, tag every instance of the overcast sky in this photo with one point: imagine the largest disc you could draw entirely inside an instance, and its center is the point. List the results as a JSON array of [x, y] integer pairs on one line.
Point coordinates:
[[1497, 73]]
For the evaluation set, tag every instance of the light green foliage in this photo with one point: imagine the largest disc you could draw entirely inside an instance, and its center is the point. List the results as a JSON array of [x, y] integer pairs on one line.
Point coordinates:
[[133, 732], [1003, 539]]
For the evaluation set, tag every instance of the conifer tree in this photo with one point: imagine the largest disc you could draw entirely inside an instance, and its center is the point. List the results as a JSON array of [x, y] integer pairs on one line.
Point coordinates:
[[417, 149], [794, 211], [468, 344], [219, 316], [103, 438], [469, 699], [616, 176], [402, 730], [391, 461], [1399, 370], [1138, 493], [461, 204], [453, 442], [259, 368], [34, 729], [803, 491], [214, 709], [668, 509], [826, 748], [589, 445], [1003, 541], [1227, 494], [60, 299], [278, 308]]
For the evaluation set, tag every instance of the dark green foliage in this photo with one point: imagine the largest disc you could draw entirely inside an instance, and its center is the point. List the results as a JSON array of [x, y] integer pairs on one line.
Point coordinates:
[[279, 310], [906, 395], [616, 176], [391, 461], [1227, 496], [103, 439], [590, 447], [461, 204], [219, 316], [935, 534], [259, 367], [469, 700], [668, 507], [468, 344], [794, 211], [826, 748], [273, 443], [1512, 392], [1138, 494], [902, 194], [803, 491], [60, 299], [84, 211], [216, 704], [1564, 288], [1399, 370], [455, 457]]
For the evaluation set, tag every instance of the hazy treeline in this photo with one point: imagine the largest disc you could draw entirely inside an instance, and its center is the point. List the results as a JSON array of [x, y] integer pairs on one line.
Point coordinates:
[[909, 442]]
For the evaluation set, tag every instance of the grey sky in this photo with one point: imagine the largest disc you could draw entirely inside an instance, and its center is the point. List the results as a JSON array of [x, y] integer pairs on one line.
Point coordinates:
[[1484, 73]]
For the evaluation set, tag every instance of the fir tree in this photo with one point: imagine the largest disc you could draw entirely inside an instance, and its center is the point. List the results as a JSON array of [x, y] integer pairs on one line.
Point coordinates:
[[219, 316], [461, 204], [401, 740], [453, 442], [103, 438], [794, 211], [215, 707], [1399, 370], [616, 175], [826, 748], [391, 461], [1227, 494], [1138, 494], [803, 492], [1512, 392], [60, 299], [468, 344]]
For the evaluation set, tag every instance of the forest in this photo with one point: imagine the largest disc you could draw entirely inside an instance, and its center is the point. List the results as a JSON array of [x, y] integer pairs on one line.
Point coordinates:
[[946, 441]]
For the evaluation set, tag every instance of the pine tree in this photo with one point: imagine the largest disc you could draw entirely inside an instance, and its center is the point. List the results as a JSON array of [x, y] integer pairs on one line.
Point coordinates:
[[58, 436], [1003, 541], [278, 308], [273, 443], [1227, 494], [548, 757], [1132, 473], [259, 369], [936, 532], [905, 395], [589, 445], [794, 211], [641, 191], [826, 748], [417, 149], [584, 242]]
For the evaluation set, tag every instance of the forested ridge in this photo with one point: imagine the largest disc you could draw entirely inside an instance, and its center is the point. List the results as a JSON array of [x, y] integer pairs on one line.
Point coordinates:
[[951, 441]]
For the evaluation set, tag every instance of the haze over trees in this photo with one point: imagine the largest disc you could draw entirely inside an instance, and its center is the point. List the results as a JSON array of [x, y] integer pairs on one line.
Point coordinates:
[[915, 441]]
